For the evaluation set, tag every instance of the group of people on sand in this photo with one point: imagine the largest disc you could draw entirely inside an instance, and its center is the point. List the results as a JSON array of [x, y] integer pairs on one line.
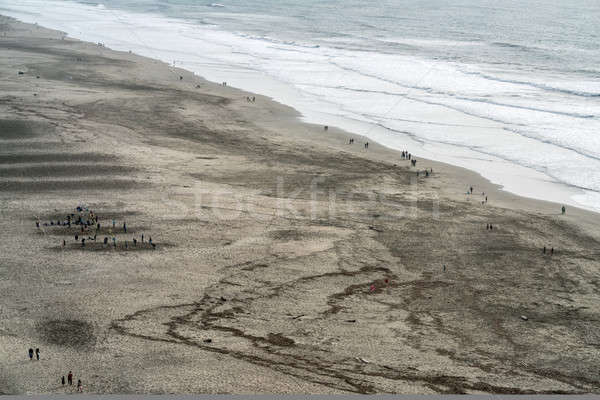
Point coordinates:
[[70, 381], [351, 141], [87, 219], [405, 155], [426, 172], [551, 250], [37, 354], [69, 375], [484, 198]]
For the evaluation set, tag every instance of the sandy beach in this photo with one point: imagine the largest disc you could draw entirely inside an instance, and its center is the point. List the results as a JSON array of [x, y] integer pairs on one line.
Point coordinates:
[[283, 259]]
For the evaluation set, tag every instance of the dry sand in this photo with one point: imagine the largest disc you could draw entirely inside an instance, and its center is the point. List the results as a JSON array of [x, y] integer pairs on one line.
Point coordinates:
[[287, 261]]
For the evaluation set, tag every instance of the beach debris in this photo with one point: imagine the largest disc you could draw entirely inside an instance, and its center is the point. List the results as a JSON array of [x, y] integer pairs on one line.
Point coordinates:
[[524, 317], [298, 316], [375, 229], [351, 320], [372, 288], [362, 360], [207, 340], [21, 72], [223, 298]]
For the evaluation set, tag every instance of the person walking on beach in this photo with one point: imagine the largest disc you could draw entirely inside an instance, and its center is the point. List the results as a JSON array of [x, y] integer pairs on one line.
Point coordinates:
[[124, 227], [63, 380], [552, 251], [37, 354], [544, 251], [30, 353], [564, 210], [79, 386], [70, 378]]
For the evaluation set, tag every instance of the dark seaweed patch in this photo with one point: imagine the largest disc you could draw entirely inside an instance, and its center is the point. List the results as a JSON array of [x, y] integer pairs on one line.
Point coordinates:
[[68, 333]]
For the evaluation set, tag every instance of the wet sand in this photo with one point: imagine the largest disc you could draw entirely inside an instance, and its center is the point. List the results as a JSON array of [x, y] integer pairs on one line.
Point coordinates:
[[286, 260]]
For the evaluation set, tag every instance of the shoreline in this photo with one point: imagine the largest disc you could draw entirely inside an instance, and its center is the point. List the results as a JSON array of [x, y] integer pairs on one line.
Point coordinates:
[[516, 179], [282, 254], [297, 117]]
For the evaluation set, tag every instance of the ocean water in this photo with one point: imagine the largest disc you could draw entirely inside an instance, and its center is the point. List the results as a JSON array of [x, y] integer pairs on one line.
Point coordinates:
[[509, 89]]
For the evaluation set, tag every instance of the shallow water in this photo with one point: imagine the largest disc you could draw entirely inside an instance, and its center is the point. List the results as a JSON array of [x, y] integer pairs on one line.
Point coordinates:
[[510, 89]]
